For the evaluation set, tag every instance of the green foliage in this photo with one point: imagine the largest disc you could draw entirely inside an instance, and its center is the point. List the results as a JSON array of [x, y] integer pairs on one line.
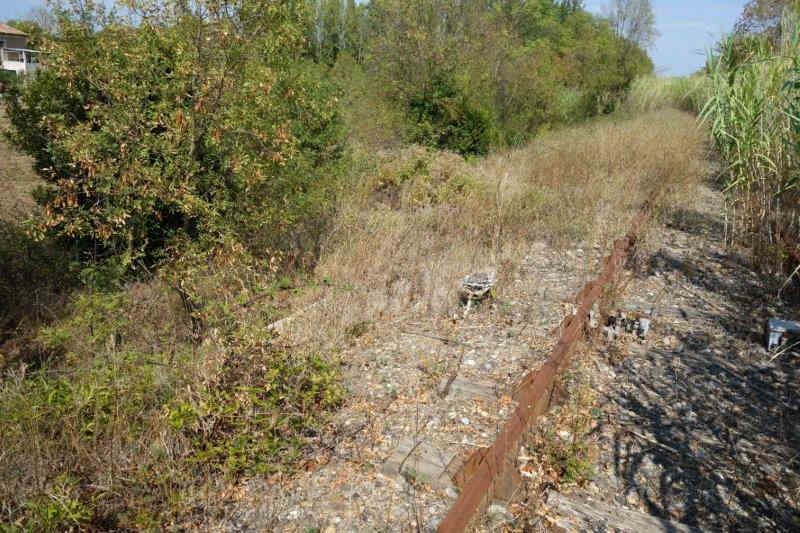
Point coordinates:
[[191, 122], [470, 77], [442, 117], [337, 27], [62, 510], [753, 114], [133, 378], [8, 77]]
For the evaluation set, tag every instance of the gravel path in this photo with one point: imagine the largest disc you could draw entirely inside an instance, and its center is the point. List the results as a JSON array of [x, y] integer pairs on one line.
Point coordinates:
[[698, 425], [408, 390]]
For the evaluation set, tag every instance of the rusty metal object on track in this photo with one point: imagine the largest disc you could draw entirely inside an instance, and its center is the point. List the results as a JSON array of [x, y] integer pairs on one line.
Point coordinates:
[[492, 472]]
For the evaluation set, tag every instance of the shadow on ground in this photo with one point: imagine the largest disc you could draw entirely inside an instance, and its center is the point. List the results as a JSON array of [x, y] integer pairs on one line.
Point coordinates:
[[709, 427]]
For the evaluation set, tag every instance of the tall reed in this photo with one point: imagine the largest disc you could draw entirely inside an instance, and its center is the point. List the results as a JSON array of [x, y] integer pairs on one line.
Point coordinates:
[[651, 93], [753, 108]]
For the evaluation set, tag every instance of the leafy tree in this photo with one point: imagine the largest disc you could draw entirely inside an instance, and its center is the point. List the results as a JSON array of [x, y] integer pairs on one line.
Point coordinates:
[[763, 16], [202, 118], [337, 26], [519, 65]]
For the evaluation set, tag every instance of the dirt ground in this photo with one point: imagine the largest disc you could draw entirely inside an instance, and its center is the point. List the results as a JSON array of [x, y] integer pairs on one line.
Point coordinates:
[[17, 178], [441, 386], [699, 424]]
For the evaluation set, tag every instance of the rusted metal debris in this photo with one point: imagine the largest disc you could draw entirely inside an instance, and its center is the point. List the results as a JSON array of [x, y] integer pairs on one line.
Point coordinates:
[[490, 472]]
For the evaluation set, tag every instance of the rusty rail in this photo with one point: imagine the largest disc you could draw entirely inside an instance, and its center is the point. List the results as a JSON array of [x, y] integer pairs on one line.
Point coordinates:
[[489, 472]]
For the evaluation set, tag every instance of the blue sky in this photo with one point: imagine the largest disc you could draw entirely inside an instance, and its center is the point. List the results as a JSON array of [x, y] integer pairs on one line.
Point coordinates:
[[688, 28], [12, 9]]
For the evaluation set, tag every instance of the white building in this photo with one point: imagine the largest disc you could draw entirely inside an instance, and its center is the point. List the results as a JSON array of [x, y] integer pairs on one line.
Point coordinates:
[[14, 53]]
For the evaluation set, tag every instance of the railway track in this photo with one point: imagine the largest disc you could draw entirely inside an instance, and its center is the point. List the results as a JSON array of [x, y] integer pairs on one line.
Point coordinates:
[[490, 472]]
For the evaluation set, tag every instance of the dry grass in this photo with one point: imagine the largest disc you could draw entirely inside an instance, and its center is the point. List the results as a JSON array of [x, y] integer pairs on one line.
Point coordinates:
[[17, 178], [650, 93], [33, 275], [419, 221], [133, 415]]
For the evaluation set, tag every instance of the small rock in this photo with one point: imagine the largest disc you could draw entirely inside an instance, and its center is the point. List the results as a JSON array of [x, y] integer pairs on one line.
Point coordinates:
[[294, 514], [470, 362], [768, 469], [433, 525], [465, 420], [632, 498], [564, 435], [451, 493], [499, 511]]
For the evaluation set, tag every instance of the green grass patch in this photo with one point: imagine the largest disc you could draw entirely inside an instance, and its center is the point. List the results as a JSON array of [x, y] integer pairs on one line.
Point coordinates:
[[145, 403]]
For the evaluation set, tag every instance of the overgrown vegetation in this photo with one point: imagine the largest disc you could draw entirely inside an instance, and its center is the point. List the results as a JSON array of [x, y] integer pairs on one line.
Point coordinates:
[[753, 109], [185, 160], [205, 167], [419, 219], [650, 93], [467, 76]]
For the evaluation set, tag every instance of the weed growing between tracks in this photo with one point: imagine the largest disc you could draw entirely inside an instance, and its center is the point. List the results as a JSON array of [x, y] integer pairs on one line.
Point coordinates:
[[417, 221], [557, 453], [144, 408]]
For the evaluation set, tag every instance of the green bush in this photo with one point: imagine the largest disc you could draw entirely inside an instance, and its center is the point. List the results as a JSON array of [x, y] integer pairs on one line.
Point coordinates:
[[8, 77], [138, 413], [442, 117], [188, 123]]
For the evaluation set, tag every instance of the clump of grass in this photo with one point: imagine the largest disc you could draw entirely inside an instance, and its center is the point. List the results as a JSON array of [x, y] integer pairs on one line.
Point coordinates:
[[560, 451], [562, 446], [651, 93]]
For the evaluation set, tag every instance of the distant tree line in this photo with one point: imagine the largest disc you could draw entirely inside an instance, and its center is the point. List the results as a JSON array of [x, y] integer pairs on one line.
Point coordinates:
[[473, 73]]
